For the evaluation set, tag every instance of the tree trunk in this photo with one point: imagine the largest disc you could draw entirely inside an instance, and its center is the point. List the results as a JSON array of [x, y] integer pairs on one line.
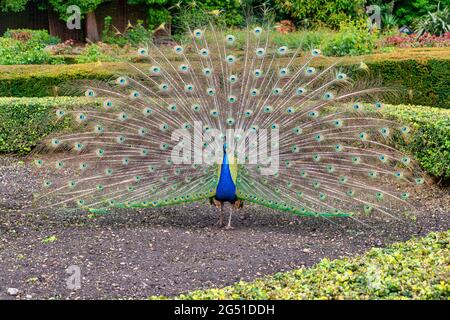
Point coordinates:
[[91, 28]]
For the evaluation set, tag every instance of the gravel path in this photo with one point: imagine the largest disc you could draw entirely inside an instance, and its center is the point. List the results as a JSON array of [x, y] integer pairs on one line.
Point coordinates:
[[138, 253]]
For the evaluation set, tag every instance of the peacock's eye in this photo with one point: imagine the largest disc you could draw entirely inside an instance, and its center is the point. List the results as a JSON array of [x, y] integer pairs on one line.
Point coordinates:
[[90, 93], [232, 78], [230, 39], [142, 51], [204, 52], [315, 52], [198, 33], [257, 31], [282, 50], [207, 72], [230, 59], [178, 49], [260, 52]]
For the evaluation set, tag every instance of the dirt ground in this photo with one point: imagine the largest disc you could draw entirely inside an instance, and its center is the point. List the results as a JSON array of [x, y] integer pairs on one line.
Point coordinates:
[[138, 253]]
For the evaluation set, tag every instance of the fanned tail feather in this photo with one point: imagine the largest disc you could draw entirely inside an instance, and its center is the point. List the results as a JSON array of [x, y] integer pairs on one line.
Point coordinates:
[[335, 158]]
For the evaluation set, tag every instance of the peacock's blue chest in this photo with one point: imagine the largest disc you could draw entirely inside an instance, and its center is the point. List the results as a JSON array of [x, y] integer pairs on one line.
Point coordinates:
[[226, 189]]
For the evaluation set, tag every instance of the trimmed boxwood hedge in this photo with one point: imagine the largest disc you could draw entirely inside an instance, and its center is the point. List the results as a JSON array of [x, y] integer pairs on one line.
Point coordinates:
[[415, 269], [46, 80], [426, 83], [25, 121], [425, 76], [429, 142]]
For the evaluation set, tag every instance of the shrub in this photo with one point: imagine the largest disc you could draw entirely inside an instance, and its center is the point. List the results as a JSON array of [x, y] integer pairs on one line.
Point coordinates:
[[303, 40], [136, 35], [38, 37], [412, 41], [25, 121], [352, 39], [430, 139], [18, 52], [96, 52], [422, 73], [41, 81], [415, 269], [436, 23], [322, 12], [201, 13], [421, 82], [409, 10]]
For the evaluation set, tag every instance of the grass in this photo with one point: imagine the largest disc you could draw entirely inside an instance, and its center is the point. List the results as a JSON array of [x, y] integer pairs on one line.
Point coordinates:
[[415, 269]]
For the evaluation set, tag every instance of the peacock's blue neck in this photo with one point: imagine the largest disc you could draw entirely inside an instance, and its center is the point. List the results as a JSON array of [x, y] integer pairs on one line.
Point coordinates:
[[226, 189]]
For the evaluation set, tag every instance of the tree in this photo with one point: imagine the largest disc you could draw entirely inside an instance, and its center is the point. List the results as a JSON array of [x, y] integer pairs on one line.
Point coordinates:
[[158, 11], [87, 8], [13, 5]]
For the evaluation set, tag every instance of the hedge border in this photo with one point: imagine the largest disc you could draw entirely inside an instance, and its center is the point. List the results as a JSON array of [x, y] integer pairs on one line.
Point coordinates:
[[26, 121], [424, 74]]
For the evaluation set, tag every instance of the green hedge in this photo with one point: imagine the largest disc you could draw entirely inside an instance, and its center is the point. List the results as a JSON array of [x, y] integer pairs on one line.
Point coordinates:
[[416, 269], [25, 121], [46, 80], [429, 142], [426, 81]]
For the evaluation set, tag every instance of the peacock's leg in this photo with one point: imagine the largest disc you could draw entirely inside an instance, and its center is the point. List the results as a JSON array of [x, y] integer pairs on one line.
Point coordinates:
[[220, 222], [229, 219]]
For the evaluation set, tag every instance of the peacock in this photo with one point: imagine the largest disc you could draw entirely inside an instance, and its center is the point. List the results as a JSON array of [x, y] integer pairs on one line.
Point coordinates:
[[205, 120]]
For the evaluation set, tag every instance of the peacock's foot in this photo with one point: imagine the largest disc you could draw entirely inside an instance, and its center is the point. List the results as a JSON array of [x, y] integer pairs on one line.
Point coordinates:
[[228, 227], [220, 223]]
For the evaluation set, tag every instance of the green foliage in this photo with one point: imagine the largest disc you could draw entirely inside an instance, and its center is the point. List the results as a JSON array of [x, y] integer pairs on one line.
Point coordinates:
[[389, 22], [85, 6], [409, 10], [158, 11], [323, 12], [94, 53], [26, 121], [136, 35], [13, 5], [429, 141], [24, 46], [193, 14], [38, 37], [304, 40], [415, 269], [423, 82], [353, 39], [436, 23], [18, 52], [157, 16], [41, 81]]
